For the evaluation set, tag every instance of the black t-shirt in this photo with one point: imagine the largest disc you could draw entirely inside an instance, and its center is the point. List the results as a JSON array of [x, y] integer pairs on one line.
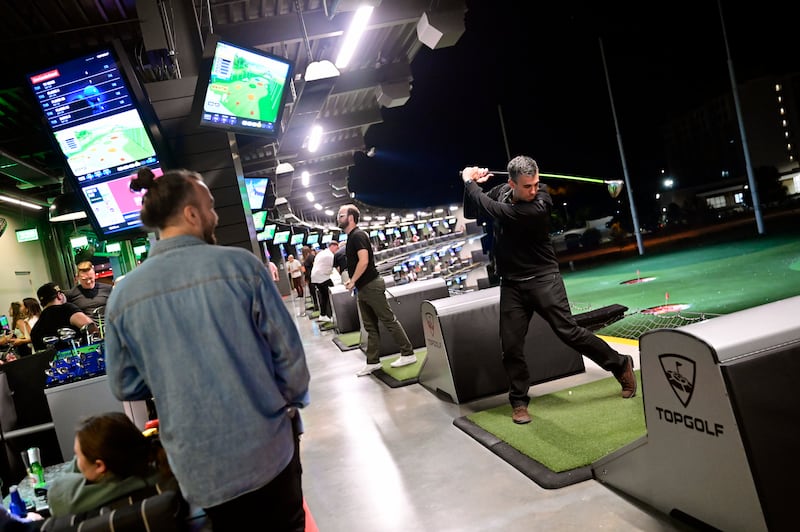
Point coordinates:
[[52, 319], [89, 300], [356, 240], [340, 259]]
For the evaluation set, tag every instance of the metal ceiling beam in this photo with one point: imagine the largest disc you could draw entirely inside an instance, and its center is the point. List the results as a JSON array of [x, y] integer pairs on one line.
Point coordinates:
[[285, 29]]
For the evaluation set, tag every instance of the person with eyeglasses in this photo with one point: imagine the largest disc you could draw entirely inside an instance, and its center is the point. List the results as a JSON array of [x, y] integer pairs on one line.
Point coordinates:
[[57, 314]]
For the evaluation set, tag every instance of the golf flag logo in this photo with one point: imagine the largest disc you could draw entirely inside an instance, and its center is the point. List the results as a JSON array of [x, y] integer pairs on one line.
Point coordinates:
[[680, 374]]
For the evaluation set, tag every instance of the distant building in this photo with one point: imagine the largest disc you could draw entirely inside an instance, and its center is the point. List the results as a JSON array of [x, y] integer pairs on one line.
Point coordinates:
[[704, 145]]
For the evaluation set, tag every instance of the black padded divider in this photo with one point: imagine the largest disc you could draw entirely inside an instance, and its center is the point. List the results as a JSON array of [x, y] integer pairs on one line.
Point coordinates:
[[764, 400], [464, 360]]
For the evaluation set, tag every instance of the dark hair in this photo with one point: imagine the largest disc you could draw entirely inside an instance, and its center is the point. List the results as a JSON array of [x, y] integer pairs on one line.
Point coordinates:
[[34, 309], [521, 165], [165, 195], [113, 438], [18, 312], [47, 293], [352, 209]]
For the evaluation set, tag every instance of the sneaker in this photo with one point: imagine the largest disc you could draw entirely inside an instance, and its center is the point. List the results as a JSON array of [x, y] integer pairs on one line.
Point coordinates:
[[324, 319], [627, 378], [368, 369], [520, 415], [404, 360]]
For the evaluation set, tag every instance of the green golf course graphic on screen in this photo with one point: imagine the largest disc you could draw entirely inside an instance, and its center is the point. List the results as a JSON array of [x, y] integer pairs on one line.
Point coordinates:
[[246, 85]]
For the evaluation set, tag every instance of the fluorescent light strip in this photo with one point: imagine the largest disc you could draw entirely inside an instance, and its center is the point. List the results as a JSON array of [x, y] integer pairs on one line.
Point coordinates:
[[353, 35], [16, 201]]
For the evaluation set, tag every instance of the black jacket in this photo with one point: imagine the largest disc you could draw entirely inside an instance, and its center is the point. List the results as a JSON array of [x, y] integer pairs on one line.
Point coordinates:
[[522, 248]]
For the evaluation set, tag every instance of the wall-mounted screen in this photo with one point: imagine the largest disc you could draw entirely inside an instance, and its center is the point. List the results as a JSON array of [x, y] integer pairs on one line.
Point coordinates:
[[242, 90], [312, 238], [27, 235], [297, 238], [256, 189], [281, 237], [269, 229], [98, 116], [259, 220]]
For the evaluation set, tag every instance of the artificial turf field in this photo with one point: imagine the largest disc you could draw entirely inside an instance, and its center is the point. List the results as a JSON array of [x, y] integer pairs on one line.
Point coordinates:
[[706, 278]]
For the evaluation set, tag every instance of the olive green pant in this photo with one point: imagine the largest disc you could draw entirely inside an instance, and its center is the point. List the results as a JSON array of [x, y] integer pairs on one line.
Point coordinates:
[[374, 310]]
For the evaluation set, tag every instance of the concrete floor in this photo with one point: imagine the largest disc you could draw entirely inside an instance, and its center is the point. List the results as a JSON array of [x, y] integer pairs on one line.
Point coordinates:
[[389, 459]]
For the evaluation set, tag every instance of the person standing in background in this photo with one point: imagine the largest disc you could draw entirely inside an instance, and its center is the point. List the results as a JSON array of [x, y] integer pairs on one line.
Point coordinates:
[[295, 271], [309, 255], [321, 279], [371, 294], [87, 294], [531, 281], [273, 270], [228, 398], [340, 262]]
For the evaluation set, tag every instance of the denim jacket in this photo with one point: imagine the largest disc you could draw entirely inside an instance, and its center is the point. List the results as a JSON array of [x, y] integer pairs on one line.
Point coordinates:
[[203, 330]]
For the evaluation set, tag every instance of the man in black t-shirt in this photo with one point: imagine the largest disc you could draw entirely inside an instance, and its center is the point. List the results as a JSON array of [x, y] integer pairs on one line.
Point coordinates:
[[371, 294], [57, 314], [87, 294]]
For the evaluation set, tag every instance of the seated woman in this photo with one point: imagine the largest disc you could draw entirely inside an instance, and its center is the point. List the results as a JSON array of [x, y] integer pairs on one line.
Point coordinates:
[[115, 465], [112, 459]]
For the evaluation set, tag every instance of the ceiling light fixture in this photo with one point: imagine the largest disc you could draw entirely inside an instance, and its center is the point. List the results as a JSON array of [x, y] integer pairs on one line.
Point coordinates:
[[353, 35], [65, 208], [21, 203], [315, 138], [305, 178], [284, 168]]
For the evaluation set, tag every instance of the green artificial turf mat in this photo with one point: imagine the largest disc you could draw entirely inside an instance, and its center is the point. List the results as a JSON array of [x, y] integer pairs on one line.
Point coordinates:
[[397, 377], [348, 341], [326, 325], [571, 428]]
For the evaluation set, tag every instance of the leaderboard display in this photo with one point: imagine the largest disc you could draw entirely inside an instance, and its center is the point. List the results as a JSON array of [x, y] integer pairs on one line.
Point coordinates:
[[99, 129]]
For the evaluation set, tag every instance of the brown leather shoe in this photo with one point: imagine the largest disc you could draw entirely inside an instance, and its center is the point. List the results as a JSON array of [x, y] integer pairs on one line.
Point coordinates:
[[520, 415], [627, 379]]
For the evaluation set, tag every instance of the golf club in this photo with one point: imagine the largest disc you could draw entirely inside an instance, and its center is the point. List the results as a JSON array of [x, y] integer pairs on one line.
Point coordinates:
[[614, 185]]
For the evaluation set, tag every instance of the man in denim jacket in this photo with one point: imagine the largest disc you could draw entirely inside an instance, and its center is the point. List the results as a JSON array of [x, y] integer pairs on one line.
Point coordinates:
[[203, 330]]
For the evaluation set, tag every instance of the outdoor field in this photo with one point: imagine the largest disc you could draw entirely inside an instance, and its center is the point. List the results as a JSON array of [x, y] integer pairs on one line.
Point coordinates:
[[699, 281]]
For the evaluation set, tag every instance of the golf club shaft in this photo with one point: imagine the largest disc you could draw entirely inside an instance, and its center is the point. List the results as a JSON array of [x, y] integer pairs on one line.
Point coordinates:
[[559, 176]]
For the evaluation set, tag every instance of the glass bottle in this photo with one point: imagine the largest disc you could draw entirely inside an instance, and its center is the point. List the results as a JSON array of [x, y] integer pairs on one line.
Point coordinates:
[[37, 470], [16, 506]]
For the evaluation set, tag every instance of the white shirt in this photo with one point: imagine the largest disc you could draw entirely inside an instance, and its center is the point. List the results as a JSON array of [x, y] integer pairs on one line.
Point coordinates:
[[323, 265], [294, 268]]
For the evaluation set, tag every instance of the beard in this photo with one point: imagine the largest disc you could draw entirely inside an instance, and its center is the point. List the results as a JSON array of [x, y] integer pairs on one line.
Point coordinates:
[[208, 234], [342, 225]]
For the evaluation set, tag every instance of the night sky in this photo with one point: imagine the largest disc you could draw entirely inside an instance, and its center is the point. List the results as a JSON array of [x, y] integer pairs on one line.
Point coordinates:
[[542, 66]]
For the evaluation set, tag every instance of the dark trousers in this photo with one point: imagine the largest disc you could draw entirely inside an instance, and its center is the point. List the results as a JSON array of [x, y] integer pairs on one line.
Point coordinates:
[[375, 310], [323, 296], [297, 283], [547, 296], [277, 506]]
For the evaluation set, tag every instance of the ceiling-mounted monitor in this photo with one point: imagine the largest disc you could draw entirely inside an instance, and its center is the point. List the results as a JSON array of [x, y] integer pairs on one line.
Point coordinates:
[[327, 238], [297, 239], [281, 237], [259, 220], [256, 189], [103, 125], [242, 90], [312, 239]]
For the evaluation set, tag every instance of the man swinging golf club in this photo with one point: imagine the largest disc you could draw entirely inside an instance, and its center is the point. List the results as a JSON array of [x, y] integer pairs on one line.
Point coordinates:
[[530, 279]]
